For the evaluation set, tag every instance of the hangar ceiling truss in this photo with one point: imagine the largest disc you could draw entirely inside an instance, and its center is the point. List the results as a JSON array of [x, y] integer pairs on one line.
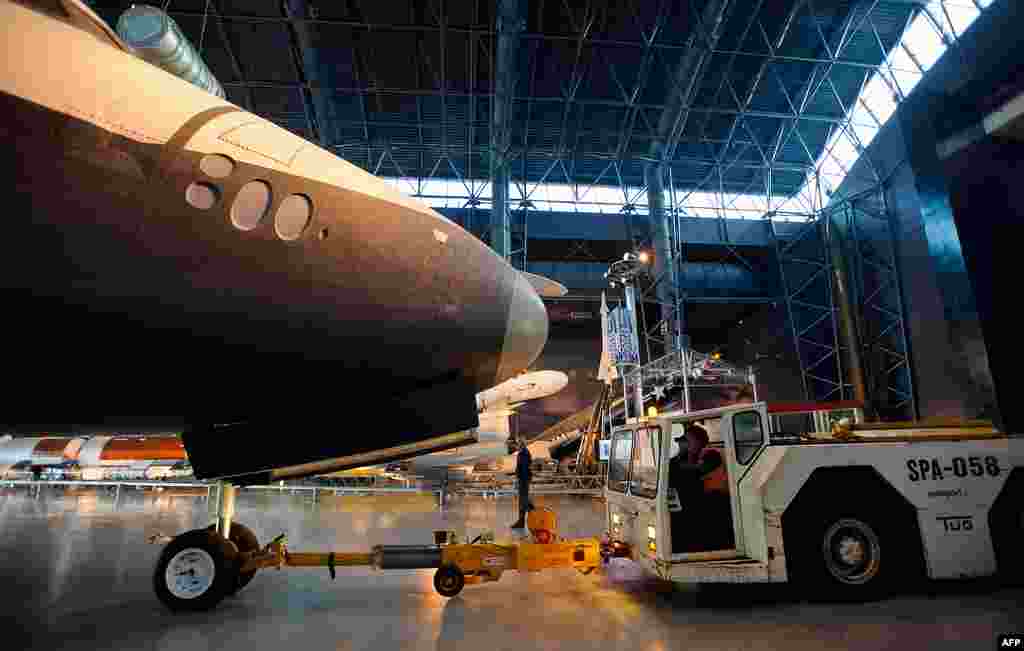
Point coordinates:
[[775, 95]]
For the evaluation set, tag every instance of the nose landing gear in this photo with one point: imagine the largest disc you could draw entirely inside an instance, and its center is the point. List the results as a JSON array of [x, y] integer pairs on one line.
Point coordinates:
[[199, 568]]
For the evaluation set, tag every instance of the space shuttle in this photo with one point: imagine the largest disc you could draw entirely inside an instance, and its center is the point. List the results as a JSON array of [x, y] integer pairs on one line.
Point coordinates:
[[497, 405], [173, 261]]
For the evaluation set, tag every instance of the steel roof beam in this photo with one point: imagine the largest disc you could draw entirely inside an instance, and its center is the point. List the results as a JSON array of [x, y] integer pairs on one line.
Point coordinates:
[[577, 77], [419, 106], [779, 115], [250, 104], [552, 153], [299, 44], [482, 31], [361, 68], [645, 69], [820, 73], [732, 62], [442, 33], [529, 102], [688, 77], [744, 105]]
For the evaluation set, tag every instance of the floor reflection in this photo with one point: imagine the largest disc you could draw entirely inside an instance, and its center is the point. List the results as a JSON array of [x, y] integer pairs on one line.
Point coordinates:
[[76, 572]]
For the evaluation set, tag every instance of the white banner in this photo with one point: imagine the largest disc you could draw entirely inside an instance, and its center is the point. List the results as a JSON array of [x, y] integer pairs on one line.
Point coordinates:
[[624, 340], [613, 336]]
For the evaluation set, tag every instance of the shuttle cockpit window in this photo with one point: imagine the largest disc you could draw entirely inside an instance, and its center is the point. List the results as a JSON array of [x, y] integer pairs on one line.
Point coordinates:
[[250, 205], [293, 217], [201, 195], [618, 466], [217, 166]]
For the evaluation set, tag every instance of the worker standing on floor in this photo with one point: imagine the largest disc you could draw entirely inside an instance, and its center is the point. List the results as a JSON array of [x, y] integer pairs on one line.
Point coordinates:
[[523, 476]]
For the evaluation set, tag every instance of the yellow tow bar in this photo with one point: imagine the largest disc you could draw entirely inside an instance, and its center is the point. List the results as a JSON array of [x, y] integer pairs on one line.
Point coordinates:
[[456, 564]]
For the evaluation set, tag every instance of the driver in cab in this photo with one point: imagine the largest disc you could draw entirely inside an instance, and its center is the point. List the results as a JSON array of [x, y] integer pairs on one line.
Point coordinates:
[[701, 462], [698, 476]]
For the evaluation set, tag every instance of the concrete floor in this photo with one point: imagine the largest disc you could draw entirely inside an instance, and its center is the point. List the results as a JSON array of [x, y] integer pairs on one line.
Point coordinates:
[[75, 573]]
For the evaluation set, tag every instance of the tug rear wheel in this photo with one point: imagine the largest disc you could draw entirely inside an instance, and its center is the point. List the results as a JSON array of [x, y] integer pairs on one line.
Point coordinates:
[[851, 557], [449, 580], [195, 571]]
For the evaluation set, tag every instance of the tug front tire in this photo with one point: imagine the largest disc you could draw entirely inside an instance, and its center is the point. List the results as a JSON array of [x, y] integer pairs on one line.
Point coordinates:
[[449, 580], [195, 571]]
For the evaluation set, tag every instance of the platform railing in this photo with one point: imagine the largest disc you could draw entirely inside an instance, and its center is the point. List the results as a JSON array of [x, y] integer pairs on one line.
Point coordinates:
[[541, 484], [206, 488], [498, 486]]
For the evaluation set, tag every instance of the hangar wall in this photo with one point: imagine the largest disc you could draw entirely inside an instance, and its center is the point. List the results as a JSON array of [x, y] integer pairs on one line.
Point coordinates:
[[575, 349], [950, 345], [763, 341]]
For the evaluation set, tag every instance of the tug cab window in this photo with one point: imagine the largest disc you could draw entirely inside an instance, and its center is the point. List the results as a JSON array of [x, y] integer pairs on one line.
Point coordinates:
[[618, 466], [643, 480], [749, 435]]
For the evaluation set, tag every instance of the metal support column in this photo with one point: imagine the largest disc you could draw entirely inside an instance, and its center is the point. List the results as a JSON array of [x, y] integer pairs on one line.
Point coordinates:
[[509, 24], [664, 271], [685, 80]]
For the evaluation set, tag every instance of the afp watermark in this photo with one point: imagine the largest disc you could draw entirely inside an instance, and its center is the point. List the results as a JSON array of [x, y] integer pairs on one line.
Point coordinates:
[[1011, 641]]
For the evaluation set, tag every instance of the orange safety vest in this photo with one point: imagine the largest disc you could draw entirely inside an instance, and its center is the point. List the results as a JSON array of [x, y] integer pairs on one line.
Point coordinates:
[[716, 481]]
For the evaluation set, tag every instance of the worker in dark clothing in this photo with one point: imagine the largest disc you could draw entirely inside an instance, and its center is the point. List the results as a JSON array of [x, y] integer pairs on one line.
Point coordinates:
[[523, 475], [708, 462], [693, 463]]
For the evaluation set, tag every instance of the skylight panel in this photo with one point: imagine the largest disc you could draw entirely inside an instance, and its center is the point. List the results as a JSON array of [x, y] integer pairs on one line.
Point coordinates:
[[409, 185], [559, 192], [863, 125], [435, 188], [844, 151], [515, 192], [878, 99], [957, 16], [923, 41], [904, 71]]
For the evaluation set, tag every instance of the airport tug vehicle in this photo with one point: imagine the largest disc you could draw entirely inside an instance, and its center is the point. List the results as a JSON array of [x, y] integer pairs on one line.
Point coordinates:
[[845, 509], [199, 568]]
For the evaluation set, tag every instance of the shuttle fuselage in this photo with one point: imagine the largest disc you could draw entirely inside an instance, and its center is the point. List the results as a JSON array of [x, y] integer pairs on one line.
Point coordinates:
[[171, 253]]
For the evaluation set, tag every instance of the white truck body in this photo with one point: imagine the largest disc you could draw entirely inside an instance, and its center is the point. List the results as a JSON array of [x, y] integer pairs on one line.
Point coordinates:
[[928, 495]]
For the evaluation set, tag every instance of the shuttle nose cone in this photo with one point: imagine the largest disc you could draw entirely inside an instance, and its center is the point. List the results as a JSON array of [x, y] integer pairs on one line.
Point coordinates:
[[526, 331]]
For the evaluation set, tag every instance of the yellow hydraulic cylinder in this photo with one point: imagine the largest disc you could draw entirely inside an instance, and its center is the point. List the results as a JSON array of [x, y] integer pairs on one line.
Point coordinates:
[[319, 559]]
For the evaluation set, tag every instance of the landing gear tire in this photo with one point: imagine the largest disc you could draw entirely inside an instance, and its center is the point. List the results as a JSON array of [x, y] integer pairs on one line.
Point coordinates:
[[449, 580], [245, 541], [847, 558], [195, 571]]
